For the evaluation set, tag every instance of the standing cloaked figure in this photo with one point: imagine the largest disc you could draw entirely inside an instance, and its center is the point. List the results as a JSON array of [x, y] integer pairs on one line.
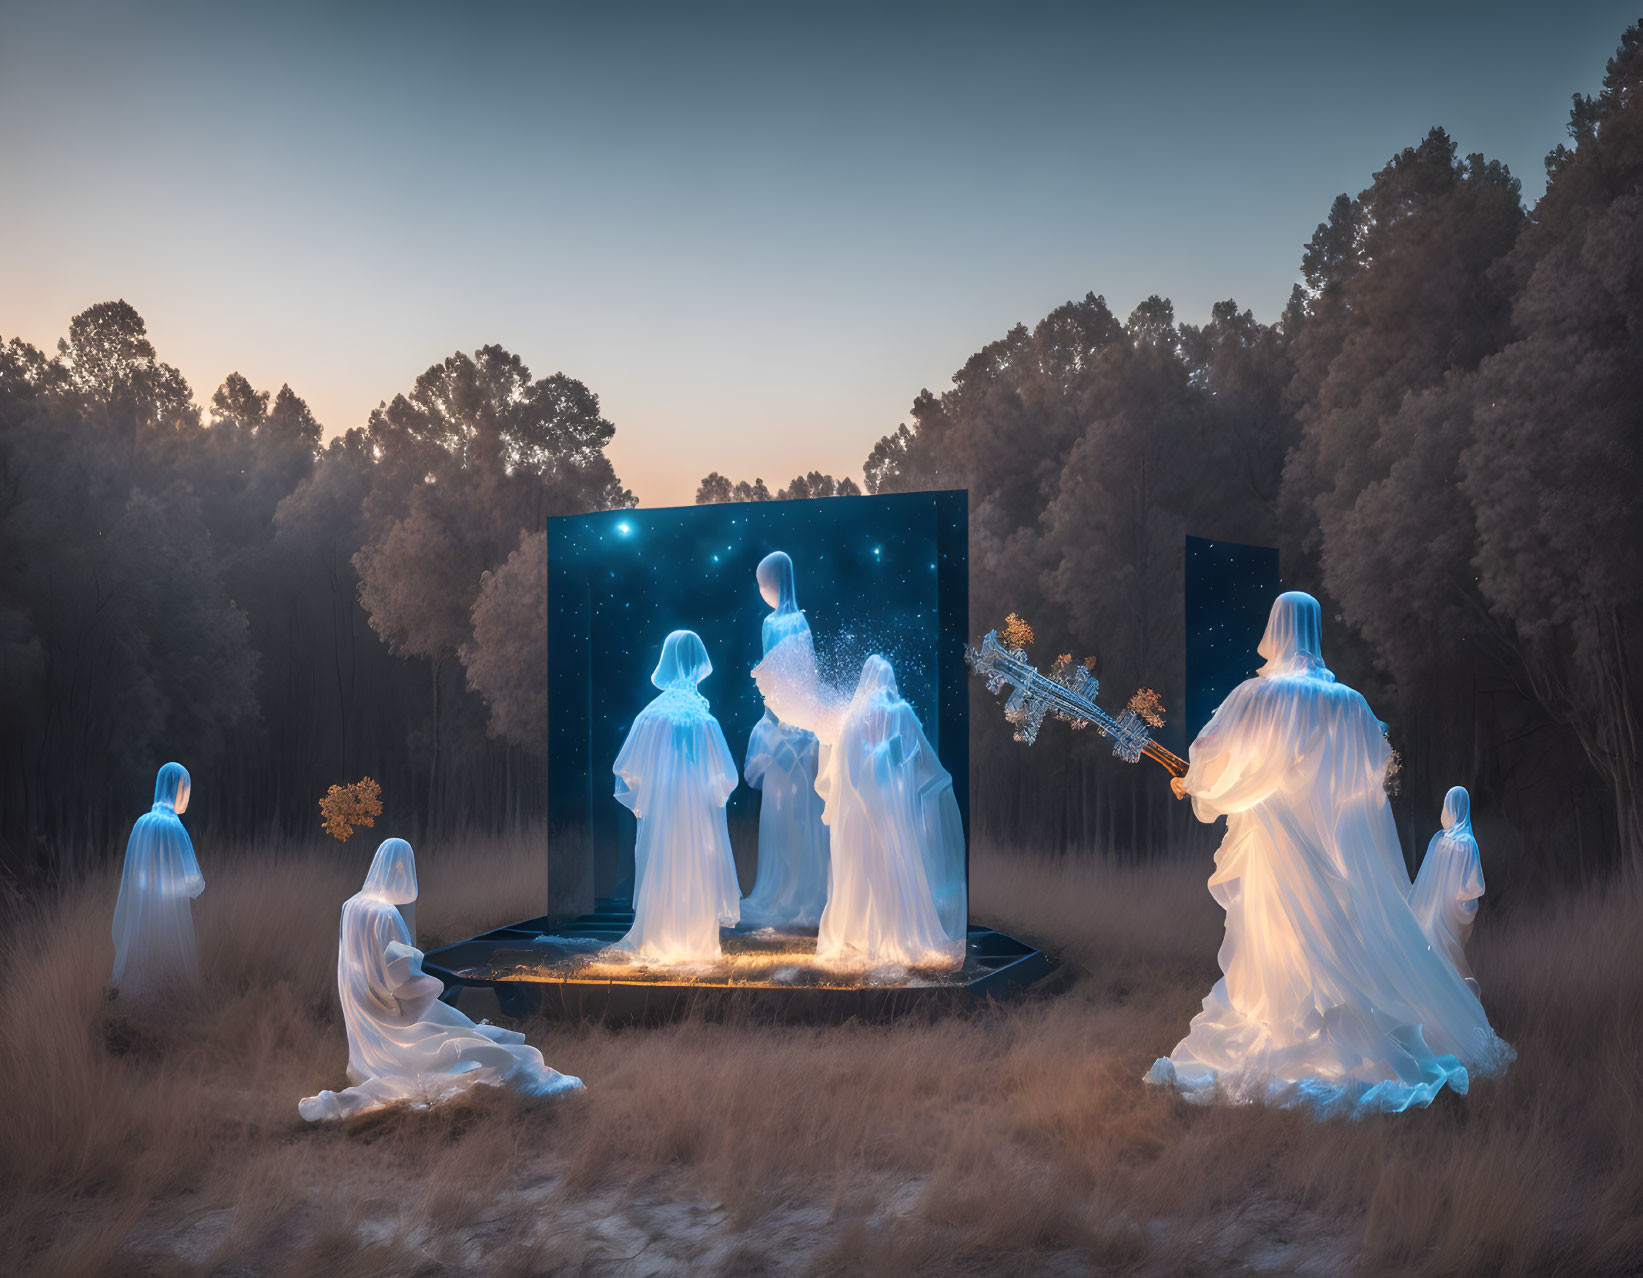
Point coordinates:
[[404, 1045], [675, 772], [153, 921], [896, 890], [1331, 995], [790, 889], [1450, 881], [898, 842]]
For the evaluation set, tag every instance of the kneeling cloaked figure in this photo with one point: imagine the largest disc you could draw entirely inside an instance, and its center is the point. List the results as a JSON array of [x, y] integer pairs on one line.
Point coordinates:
[[154, 950], [1331, 996], [674, 773], [1450, 881], [404, 1045]]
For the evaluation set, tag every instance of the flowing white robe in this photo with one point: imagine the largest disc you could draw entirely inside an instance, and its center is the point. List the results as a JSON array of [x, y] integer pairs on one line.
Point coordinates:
[[790, 889], [896, 893], [675, 772], [154, 951], [404, 1045], [1331, 995], [1447, 888]]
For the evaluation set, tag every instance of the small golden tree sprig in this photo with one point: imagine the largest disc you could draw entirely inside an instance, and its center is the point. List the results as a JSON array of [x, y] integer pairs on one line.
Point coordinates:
[[1149, 705], [1017, 633], [1392, 778], [347, 806]]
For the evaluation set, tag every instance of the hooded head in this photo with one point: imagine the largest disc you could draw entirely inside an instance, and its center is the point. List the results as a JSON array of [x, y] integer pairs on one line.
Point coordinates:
[[393, 873], [1457, 811], [171, 788], [775, 574], [684, 662], [878, 678], [1293, 642]]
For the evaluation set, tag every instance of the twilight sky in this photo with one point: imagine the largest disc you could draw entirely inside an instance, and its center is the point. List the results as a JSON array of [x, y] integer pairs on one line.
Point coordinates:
[[756, 231]]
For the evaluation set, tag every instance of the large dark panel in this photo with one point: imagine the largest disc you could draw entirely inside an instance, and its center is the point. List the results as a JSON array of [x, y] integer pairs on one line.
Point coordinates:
[[874, 574], [1229, 591]]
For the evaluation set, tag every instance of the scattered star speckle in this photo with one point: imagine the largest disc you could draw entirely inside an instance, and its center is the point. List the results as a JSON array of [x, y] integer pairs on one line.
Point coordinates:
[[1229, 591]]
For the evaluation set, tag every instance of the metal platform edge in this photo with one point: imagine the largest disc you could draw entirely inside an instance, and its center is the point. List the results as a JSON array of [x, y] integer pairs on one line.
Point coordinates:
[[1011, 967]]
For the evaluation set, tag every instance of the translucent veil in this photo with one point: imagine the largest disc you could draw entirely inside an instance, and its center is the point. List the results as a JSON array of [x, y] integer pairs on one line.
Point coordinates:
[[1293, 642], [683, 663], [775, 574], [392, 878], [392, 875], [1457, 813], [153, 923], [775, 577]]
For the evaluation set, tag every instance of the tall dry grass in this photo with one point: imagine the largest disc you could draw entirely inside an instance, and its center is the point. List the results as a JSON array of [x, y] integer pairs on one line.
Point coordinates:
[[1016, 1138]]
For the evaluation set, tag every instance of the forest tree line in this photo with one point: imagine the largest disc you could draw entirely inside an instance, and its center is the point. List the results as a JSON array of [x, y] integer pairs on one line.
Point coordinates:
[[1442, 433]]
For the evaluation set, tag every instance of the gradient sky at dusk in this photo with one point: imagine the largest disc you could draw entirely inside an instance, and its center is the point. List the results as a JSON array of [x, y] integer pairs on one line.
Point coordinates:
[[755, 233]]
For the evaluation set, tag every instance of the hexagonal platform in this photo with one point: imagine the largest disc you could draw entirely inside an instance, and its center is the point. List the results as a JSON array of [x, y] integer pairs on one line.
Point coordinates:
[[533, 969]]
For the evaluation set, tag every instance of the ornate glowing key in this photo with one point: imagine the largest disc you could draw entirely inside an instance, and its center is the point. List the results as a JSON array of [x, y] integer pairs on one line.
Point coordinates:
[[1067, 693]]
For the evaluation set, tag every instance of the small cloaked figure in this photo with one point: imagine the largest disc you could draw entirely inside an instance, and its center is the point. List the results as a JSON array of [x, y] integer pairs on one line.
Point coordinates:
[[404, 1045], [154, 951], [1449, 883], [675, 773], [790, 889]]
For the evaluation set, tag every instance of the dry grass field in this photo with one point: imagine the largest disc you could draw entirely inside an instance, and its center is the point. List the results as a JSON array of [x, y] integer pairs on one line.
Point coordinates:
[[1017, 1139]]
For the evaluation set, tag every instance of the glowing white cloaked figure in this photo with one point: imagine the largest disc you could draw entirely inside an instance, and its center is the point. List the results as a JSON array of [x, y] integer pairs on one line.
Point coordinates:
[[154, 949], [404, 1045], [790, 889], [1446, 891], [675, 772], [1331, 995], [896, 890]]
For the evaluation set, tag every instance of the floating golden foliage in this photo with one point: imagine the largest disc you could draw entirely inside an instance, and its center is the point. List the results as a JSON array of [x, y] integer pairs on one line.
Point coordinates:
[[1061, 663], [1017, 633], [1392, 778], [1089, 664], [1149, 705], [347, 806]]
